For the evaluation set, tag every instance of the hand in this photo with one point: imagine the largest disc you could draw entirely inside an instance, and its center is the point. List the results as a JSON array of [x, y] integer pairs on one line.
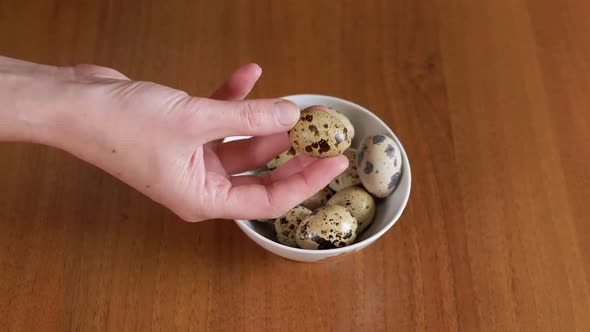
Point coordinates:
[[166, 143]]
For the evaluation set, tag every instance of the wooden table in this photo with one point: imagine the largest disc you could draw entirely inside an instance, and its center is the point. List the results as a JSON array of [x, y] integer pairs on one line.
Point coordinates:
[[490, 98]]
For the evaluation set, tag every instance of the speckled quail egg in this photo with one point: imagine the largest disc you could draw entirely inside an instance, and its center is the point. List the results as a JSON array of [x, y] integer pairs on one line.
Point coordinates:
[[319, 199], [379, 164], [358, 202], [346, 123], [326, 228], [286, 225], [350, 177], [319, 134], [281, 159]]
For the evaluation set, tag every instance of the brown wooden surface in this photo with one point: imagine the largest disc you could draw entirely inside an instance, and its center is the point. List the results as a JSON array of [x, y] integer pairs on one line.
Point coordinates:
[[490, 98]]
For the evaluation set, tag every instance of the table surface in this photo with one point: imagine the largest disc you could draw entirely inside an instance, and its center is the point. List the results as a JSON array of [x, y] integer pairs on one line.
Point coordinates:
[[490, 99]]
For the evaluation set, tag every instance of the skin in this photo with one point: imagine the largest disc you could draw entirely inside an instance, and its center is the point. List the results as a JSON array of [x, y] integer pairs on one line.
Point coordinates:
[[162, 141]]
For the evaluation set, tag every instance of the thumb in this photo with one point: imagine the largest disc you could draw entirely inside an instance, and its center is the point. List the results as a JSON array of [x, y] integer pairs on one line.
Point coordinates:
[[258, 117]]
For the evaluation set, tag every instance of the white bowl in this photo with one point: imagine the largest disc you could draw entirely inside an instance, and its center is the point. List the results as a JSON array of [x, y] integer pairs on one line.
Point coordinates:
[[388, 209]]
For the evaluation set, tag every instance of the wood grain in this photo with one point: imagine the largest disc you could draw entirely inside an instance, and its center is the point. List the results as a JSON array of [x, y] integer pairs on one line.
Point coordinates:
[[490, 99]]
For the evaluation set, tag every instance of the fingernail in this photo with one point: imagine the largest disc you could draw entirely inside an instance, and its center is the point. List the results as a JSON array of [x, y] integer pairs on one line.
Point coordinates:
[[258, 70], [287, 113]]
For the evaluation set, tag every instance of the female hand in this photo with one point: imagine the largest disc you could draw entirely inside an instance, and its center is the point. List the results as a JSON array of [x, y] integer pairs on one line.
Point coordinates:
[[164, 142]]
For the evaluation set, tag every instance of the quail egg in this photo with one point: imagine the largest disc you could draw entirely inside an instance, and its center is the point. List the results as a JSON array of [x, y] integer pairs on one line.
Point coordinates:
[[379, 164], [358, 202], [346, 123], [350, 177], [327, 228], [319, 134], [286, 225]]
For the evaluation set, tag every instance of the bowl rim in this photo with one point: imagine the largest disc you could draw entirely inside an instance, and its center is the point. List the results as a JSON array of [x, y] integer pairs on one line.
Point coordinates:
[[358, 245]]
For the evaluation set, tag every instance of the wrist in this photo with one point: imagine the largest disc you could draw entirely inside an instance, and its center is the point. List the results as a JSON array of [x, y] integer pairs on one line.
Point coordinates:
[[56, 117], [14, 108], [28, 101], [40, 104]]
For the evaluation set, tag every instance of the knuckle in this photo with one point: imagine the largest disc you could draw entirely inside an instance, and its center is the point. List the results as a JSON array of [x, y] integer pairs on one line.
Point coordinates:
[[193, 213], [193, 217], [91, 70], [130, 89], [178, 100], [274, 209], [250, 115]]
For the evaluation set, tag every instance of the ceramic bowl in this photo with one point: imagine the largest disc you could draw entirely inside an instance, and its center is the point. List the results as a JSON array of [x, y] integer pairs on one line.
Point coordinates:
[[389, 209]]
